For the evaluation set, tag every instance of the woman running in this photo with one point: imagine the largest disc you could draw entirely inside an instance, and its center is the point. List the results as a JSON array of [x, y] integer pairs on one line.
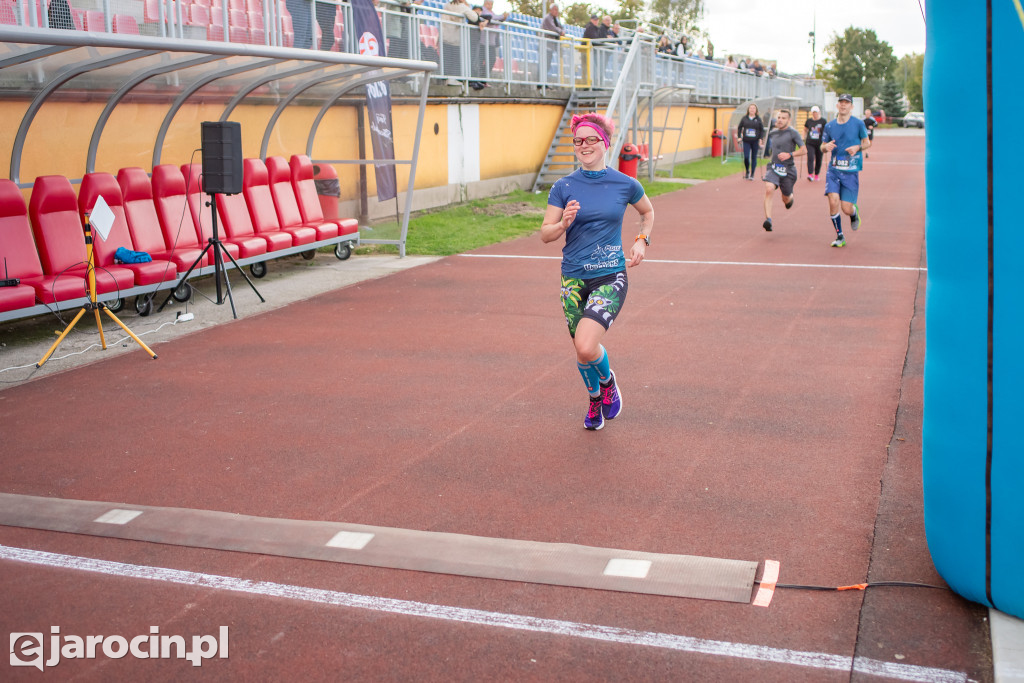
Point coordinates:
[[813, 127], [587, 206], [749, 132]]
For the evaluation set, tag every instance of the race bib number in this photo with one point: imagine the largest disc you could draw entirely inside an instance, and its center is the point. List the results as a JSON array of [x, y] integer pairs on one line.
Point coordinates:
[[843, 164], [815, 134], [780, 170], [749, 133]]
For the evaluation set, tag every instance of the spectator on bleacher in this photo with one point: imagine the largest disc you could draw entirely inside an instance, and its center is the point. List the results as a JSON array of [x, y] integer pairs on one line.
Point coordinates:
[[617, 30], [451, 37], [593, 29], [743, 65], [553, 25], [302, 22], [609, 31], [730, 63], [772, 71], [58, 15], [710, 53], [489, 37], [757, 68], [664, 46], [396, 29], [683, 47], [551, 22]]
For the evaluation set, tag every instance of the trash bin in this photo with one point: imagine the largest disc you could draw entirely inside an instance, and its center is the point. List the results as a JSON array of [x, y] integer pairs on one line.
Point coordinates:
[[717, 138], [328, 189], [629, 157]]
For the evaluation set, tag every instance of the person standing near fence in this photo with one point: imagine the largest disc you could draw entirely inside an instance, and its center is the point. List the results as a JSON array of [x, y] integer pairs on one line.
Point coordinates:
[[781, 174], [845, 138], [749, 134], [451, 37], [490, 37], [813, 127], [552, 25], [587, 207]]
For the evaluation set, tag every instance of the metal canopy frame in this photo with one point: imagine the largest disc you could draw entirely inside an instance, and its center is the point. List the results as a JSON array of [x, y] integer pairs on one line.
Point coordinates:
[[43, 66]]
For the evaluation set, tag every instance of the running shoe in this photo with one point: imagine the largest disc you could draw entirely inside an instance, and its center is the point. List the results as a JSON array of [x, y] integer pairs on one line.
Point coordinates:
[[815, 177], [855, 218], [611, 400], [810, 178], [839, 242], [790, 205], [767, 225], [595, 415]]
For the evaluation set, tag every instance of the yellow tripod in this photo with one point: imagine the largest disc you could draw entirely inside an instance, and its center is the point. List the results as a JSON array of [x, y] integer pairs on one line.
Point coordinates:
[[93, 305]]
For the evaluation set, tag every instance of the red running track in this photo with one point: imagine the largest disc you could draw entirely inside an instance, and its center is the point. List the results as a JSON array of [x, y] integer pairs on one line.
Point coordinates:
[[772, 411]]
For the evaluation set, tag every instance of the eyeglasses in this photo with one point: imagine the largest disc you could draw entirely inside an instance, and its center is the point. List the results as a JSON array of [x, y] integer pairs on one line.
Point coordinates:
[[590, 140]]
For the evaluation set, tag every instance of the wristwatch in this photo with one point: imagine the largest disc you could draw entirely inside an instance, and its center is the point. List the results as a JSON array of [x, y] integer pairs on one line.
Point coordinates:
[[645, 238]]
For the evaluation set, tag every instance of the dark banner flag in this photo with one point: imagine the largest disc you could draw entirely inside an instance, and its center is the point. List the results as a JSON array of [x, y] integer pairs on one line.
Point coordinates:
[[378, 99]]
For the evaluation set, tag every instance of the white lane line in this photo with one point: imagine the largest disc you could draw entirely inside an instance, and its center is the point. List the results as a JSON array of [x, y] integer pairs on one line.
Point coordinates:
[[814, 660], [725, 263]]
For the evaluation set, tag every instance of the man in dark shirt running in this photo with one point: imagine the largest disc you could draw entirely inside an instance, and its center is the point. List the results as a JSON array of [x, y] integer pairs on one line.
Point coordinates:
[[785, 144]]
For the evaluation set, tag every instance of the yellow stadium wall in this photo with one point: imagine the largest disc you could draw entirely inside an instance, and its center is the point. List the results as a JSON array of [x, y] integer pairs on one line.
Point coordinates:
[[506, 142]]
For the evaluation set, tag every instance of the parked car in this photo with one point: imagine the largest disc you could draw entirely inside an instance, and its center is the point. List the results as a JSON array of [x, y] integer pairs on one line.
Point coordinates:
[[915, 119]]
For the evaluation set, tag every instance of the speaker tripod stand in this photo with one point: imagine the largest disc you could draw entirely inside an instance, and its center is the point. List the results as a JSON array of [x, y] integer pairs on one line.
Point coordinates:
[[219, 252], [93, 305]]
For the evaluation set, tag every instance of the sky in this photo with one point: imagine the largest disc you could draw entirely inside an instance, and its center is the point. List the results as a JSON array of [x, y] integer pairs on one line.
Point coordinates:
[[777, 30]]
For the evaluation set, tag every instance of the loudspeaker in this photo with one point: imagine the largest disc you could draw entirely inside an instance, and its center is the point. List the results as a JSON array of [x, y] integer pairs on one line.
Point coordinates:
[[222, 157]]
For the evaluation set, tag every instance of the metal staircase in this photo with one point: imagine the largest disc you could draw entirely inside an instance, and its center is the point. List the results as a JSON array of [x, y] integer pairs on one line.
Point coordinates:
[[561, 158]]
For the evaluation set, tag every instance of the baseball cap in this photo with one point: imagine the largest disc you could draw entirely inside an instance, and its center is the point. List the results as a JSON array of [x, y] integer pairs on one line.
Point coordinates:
[[846, 96], [594, 16]]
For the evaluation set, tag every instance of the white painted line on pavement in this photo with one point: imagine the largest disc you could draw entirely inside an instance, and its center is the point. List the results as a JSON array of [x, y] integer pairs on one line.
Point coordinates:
[[726, 263], [759, 653]]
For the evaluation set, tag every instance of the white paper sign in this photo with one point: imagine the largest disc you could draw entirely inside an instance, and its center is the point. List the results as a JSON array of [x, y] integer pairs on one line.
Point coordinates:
[[102, 218]]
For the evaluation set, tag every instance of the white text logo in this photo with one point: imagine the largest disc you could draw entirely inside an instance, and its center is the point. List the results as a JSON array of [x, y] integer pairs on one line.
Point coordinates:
[[27, 648]]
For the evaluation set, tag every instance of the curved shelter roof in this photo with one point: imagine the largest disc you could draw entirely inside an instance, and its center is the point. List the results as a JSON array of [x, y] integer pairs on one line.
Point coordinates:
[[45, 66]]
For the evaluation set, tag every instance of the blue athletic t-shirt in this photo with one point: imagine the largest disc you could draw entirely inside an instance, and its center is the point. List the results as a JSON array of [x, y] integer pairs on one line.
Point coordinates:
[[846, 135], [593, 243]]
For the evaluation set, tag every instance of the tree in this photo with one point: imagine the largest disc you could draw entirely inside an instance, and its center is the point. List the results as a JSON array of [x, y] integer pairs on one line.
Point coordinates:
[[531, 8], [679, 15], [855, 61], [578, 14], [909, 73], [632, 10], [891, 99]]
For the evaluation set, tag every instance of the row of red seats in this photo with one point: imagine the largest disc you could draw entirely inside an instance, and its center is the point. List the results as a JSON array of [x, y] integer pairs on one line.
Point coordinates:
[[164, 216], [84, 20]]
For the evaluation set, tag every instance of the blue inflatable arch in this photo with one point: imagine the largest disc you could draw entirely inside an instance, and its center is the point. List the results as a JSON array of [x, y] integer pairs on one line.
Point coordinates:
[[973, 442]]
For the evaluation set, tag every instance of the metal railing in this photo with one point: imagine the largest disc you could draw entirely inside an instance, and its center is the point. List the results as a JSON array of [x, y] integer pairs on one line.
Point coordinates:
[[506, 53]]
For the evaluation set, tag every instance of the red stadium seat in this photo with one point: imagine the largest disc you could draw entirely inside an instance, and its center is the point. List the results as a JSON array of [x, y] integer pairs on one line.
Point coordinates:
[[256, 188], [288, 213], [257, 32], [8, 15], [58, 229], [125, 23], [95, 21], [309, 204], [18, 258], [175, 217], [96, 185], [202, 215], [238, 26], [143, 223]]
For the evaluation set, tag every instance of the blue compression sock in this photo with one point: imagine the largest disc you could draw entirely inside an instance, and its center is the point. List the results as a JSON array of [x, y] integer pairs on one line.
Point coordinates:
[[590, 377], [837, 221], [601, 366]]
